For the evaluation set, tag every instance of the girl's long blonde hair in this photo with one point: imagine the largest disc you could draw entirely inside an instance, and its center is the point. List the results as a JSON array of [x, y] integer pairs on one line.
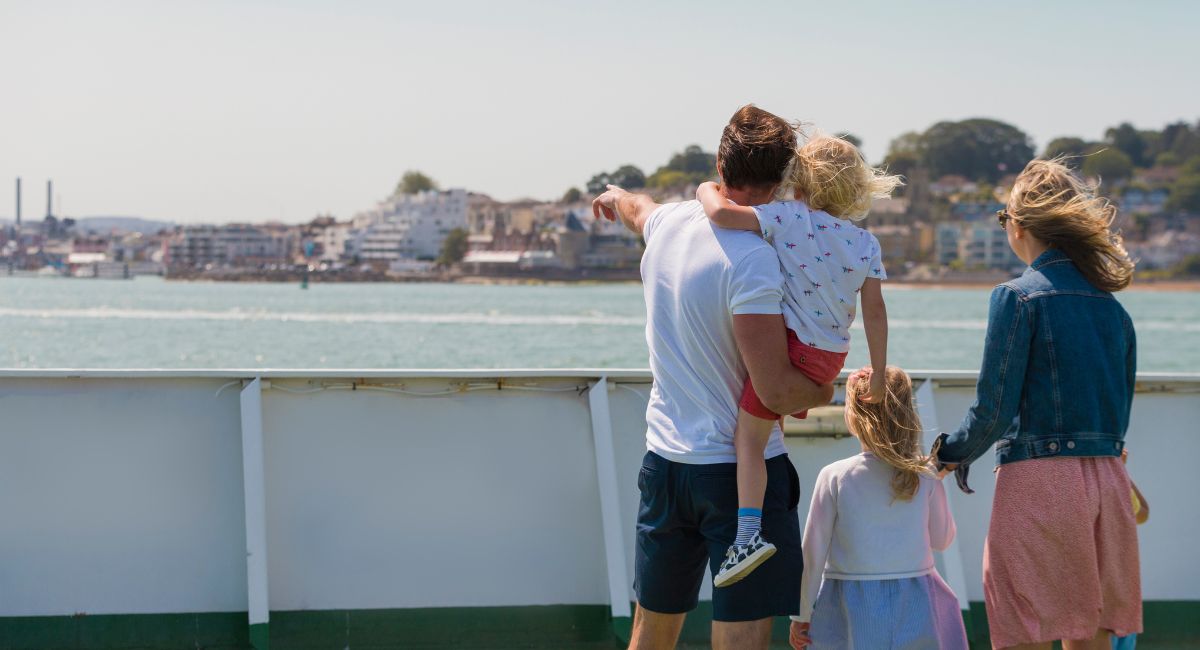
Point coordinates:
[[1058, 207], [830, 174], [890, 428]]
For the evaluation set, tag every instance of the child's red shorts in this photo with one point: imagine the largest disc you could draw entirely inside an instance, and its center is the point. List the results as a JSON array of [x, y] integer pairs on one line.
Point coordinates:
[[821, 366]]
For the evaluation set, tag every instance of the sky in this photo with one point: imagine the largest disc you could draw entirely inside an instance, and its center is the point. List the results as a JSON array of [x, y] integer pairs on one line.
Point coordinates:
[[262, 110]]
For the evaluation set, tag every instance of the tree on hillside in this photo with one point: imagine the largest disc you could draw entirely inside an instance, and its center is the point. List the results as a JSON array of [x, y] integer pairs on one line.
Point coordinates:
[[1181, 139], [1152, 145], [1167, 159], [691, 166], [1192, 165], [1129, 141], [1185, 191], [454, 247], [414, 181], [629, 177], [667, 179], [572, 195], [979, 149], [1185, 194], [597, 183], [1108, 164], [694, 161], [1066, 146], [904, 154]]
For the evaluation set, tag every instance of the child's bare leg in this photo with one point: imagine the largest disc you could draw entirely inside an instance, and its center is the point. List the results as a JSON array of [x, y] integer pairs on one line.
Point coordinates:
[[749, 441], [749, 549]]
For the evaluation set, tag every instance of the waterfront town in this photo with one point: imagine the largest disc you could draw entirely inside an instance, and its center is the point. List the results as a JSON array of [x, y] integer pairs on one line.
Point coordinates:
[[940, 228]]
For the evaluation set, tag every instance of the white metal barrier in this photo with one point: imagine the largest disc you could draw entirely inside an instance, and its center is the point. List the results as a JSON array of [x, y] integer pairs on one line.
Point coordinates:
[[211, 491]]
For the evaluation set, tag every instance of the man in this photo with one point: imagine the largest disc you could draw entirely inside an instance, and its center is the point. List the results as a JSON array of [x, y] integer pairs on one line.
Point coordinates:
[[713, 301]]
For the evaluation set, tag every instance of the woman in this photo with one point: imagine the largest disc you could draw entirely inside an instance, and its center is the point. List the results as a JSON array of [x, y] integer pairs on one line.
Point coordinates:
[[1054, 393]]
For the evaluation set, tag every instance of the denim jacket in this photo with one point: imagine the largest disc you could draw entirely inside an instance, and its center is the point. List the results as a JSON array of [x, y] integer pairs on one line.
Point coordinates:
[[1058, 371]]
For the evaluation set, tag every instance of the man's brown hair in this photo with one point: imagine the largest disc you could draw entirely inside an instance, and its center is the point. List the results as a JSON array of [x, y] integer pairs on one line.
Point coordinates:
[[756, 148]]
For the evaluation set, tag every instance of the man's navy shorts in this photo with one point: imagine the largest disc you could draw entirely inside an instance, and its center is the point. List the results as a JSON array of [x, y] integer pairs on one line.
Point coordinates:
[[688, 516]]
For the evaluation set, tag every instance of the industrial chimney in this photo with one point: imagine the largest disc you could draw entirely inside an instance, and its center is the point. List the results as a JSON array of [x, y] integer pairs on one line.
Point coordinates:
[[18, 203], [49, 199]]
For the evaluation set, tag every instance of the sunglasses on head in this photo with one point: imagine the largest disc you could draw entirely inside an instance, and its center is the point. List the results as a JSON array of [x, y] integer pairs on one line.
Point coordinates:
[[1003, 216]]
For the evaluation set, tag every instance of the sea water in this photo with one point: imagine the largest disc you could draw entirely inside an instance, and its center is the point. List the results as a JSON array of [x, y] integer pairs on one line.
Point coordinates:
[[151, 323]]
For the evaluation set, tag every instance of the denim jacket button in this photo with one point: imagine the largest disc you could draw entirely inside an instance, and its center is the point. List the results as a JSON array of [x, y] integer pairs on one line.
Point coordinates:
[[1053, 446], [1070, 444]]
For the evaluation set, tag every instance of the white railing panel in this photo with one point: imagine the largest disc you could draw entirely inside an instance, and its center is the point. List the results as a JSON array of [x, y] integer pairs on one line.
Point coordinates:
[[380, 499], [120, 496]]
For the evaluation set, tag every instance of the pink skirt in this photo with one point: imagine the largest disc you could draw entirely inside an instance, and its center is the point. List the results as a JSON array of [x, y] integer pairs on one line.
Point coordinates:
[[1061, 557]]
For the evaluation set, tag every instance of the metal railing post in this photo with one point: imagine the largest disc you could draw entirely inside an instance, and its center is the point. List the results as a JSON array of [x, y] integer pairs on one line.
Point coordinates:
[[951, 557], [610, 510], [254, 489]]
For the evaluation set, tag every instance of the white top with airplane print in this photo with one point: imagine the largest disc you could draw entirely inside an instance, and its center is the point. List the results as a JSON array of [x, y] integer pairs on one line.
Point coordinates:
[[825, 261]]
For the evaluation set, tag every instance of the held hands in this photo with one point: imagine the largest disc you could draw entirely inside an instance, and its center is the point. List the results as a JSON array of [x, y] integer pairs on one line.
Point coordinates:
[[798, 635], [606, 203], [943, 469]]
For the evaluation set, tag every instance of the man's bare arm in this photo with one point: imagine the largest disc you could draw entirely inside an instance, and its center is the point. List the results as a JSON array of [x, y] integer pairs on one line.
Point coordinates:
[[631, 209], [762, 341]]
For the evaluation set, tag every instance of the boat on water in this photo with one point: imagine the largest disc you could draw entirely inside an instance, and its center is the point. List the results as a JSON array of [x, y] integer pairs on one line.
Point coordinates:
[[421, 508]]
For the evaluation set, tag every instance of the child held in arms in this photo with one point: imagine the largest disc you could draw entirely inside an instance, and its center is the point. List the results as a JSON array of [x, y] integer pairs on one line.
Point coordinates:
[[828, 262]]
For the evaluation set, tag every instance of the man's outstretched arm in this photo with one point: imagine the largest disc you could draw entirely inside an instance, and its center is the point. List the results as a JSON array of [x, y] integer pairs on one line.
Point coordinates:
[[762, 342], [631, 209]]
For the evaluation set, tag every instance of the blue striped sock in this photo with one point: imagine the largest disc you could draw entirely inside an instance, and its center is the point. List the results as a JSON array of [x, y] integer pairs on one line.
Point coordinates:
[[749, 522]]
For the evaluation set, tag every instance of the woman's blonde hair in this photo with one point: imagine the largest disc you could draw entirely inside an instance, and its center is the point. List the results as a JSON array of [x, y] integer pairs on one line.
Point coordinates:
[[830, 174], [1058, 207], [889, 428]]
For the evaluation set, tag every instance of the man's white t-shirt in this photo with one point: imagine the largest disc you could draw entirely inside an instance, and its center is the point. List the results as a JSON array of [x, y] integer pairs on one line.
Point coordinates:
[[696, 277]]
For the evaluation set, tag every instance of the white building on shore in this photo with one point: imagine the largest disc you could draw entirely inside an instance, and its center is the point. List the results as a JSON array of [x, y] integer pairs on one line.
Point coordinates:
[[408, 226]]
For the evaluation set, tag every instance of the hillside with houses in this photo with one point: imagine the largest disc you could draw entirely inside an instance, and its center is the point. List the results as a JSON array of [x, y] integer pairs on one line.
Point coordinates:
[[940, 227]]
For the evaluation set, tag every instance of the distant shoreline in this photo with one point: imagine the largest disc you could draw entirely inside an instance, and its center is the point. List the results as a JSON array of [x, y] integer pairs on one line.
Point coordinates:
[[622, 276], [1182, 286], [1137, 285]]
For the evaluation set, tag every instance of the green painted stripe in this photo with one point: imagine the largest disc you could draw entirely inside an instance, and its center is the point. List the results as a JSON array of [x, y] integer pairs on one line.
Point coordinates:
[[217, 631], [260, 636], [1170, 624], [622, 627], [557, 626]]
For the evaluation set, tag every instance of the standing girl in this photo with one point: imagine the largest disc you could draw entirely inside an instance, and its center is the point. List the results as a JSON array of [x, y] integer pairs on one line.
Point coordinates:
[[873, 525], [1054, 395]]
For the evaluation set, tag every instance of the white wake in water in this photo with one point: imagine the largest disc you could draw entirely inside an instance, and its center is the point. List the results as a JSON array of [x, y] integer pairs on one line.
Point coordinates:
[[107, 313], [491, 318]]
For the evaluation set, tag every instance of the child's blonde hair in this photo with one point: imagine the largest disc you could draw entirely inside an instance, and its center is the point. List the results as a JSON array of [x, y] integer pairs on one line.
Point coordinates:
[[890, 428], [1058, 207], [830, 174]]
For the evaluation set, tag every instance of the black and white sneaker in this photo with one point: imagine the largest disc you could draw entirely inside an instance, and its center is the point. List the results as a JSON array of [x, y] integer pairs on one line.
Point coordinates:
[[741, 560]]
